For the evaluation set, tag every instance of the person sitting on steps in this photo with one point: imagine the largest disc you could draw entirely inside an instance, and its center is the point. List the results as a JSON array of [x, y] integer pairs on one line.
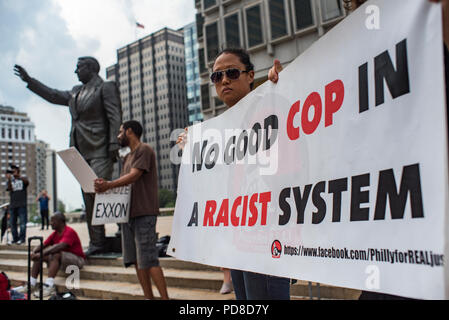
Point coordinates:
[[60, 250]]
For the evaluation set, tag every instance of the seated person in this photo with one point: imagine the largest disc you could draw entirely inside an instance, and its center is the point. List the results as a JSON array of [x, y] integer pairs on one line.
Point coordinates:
[[4, 287], [61, 249], [6, 292]]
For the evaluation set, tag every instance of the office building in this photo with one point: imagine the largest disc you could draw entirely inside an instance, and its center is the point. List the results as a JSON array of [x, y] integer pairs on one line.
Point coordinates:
[[18, 147], [41, 166], [150, 74], [267, 29], [51, 184], [46, 173], [193, 80]]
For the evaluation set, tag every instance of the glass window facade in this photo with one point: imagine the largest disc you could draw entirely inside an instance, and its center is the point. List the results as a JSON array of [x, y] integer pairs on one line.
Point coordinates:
[[254, 26], [278, 21], [303, 14], [331, 9], [212, 41], [232, 30], [192, 74], [205, 96], [202, 61], [209, 3]]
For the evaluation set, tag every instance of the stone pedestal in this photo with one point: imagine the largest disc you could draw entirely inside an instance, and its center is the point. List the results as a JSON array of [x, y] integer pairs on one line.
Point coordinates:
[[114, 244]]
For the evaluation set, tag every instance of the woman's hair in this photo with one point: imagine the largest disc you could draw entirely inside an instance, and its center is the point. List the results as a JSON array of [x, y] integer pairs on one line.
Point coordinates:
[[242, 55]]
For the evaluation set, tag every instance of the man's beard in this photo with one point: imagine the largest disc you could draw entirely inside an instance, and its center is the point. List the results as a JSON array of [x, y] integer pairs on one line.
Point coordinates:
[[124, 142]]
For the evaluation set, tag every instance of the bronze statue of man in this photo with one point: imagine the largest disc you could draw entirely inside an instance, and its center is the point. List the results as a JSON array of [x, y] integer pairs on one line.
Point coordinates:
[[96, 118]]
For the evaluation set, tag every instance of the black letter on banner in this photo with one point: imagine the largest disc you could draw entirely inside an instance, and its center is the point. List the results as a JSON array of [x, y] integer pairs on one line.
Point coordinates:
[[104, 210], [301, 202], [109, 212], [410, 182], [363, 88], [285, 207], [319, 202], [397, 81], [194, 217], [211, 163], [120, 208], [126, 209], [358, 197], [197, 158], [256, 130], [240, 154], [229, 158], [96, 211], [337, 187], [271, 122]]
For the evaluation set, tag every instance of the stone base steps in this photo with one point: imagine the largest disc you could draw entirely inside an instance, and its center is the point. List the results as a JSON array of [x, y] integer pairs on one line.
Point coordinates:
[[20, 252], [106, 278], [112, 290], [174, 277]]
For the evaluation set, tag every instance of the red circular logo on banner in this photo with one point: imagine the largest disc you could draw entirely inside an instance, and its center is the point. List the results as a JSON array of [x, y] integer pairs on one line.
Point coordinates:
[[276, 249]]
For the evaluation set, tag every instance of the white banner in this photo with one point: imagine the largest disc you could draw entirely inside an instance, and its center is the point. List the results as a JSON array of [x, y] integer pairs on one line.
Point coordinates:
[[112, 206], [351, 190]]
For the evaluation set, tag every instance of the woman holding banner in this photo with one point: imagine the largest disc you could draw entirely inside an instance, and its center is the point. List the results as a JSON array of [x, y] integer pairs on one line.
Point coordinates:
[[233, 77]]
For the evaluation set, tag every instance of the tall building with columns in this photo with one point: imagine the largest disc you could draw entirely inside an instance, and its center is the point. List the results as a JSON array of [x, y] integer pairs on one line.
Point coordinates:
[[150, 74], [18, 147]]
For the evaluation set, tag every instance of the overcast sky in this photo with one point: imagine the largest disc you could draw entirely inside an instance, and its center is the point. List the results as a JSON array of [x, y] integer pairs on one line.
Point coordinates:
[[47, 36]]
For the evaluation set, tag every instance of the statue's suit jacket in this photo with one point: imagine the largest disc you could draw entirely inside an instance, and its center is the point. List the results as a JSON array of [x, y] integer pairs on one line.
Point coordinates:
[[96, 114]]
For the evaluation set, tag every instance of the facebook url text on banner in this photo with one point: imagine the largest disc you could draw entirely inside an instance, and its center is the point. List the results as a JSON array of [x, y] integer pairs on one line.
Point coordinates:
[[423, 257]]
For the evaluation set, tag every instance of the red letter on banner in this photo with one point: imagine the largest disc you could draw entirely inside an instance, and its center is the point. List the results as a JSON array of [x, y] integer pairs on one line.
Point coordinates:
[[223, 214], [211, 206], [264, 199], [293, 133], [253, 209], [234, 218], [245, 208], [337, 87], [313, 99]]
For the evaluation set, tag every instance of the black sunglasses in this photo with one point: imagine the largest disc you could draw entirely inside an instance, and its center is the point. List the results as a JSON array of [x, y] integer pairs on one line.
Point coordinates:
[[232, 73]]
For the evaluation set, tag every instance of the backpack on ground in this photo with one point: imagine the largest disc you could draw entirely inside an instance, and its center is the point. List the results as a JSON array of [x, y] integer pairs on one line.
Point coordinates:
[[63, 296], [162, 245]]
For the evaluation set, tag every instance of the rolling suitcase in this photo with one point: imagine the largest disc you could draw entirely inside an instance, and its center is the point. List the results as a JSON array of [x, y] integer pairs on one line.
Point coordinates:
[[41, 240]]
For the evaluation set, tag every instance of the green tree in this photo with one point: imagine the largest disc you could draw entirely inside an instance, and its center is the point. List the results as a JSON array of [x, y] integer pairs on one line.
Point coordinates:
[[167, 198], [61, 206], [33, 213]]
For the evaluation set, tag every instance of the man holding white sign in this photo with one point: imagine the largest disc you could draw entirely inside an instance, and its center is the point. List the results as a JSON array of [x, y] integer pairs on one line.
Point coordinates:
[[139, 234], [112, 206]]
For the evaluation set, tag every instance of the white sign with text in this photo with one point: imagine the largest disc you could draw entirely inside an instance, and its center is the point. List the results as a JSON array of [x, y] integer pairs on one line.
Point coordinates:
[[112, 206]]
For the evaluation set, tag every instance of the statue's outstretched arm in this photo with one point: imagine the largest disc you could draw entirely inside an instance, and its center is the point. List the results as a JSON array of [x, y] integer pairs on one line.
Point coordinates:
[[49, 94]]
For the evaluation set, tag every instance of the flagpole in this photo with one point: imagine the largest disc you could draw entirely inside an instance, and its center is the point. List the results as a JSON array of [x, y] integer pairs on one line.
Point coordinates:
[[137, 25]]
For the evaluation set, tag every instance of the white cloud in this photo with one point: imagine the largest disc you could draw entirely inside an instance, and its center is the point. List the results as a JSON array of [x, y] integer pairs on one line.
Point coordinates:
[[112, 23], [47, 36]]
